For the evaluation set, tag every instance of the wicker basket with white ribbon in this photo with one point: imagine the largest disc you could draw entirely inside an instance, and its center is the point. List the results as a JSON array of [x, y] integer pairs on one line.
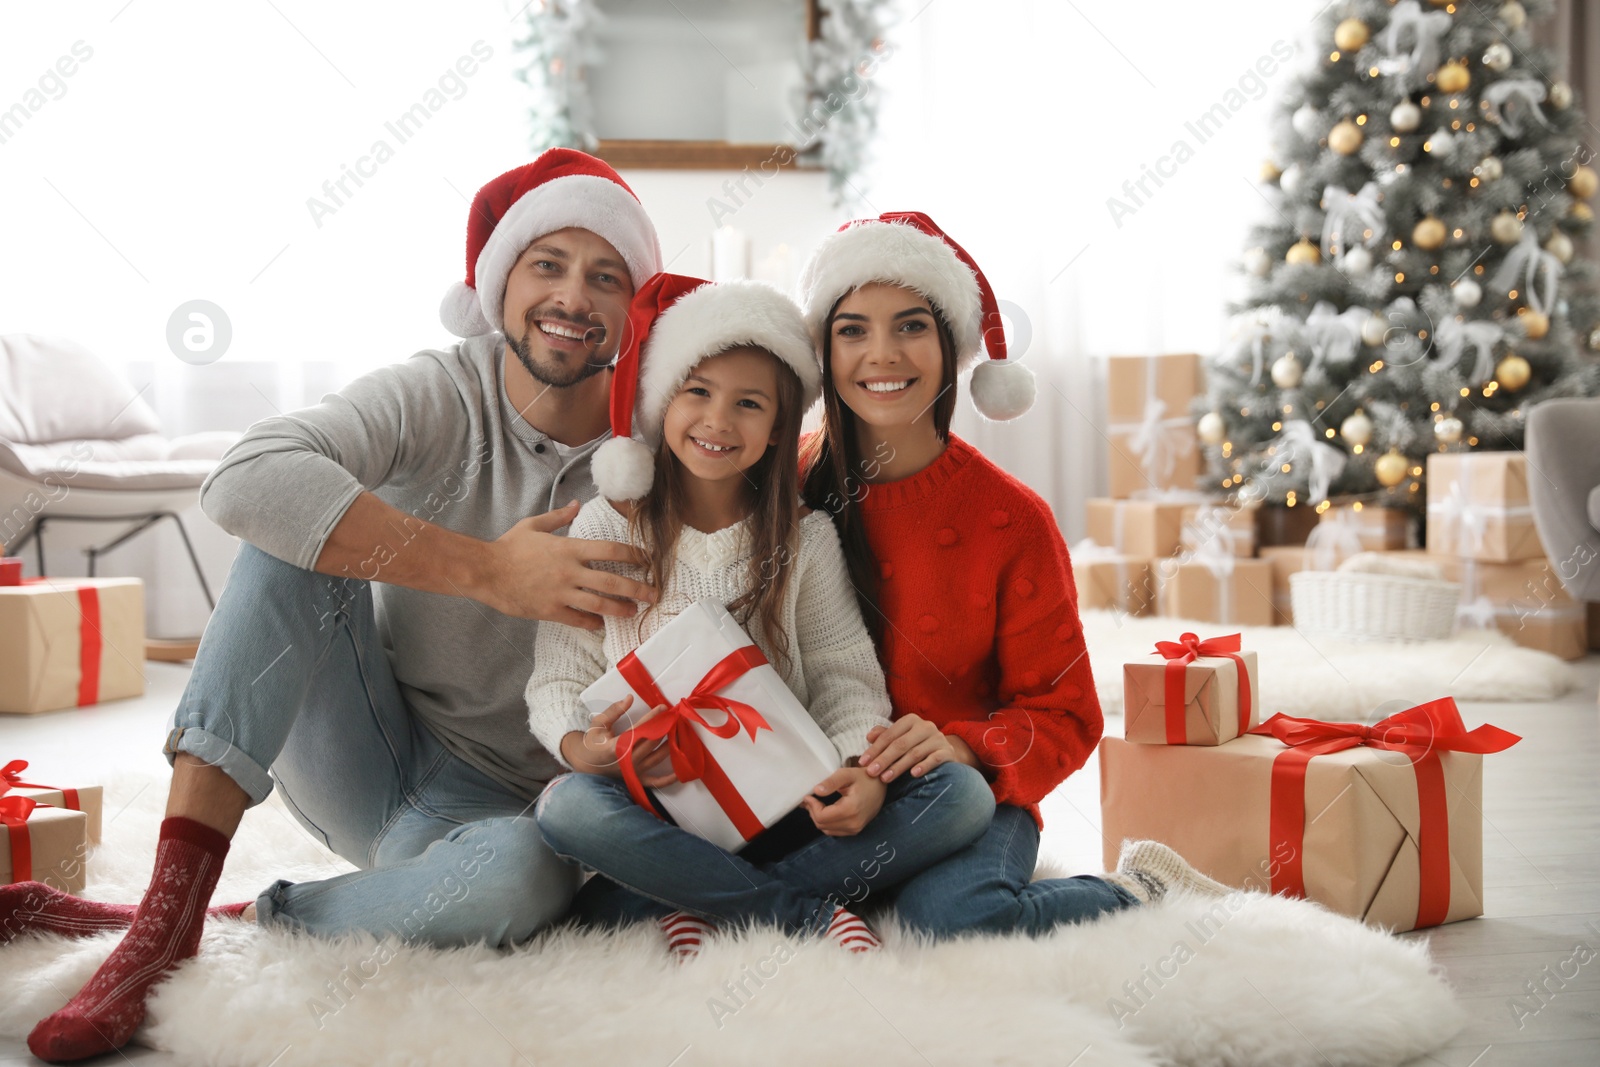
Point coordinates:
[[1375, 597]]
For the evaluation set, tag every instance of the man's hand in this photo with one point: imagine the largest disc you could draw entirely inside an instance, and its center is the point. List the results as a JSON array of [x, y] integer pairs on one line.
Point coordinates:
[[534, 573], [912, 743], [860, 798], [594, 751]]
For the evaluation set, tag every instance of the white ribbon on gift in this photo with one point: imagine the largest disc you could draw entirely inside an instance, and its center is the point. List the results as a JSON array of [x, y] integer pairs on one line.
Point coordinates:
[[1526, 259], [1215, 554], [1511, 100], [1156, 439], [1425, 32], [1091, 551], [1452, 336], [1463, 522], [1350, 218], [1333, 540], [1298, 443], [1476, 614], [1332, 335]]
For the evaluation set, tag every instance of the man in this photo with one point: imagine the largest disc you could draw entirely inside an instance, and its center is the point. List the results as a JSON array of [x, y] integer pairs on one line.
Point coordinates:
[[370, 650]]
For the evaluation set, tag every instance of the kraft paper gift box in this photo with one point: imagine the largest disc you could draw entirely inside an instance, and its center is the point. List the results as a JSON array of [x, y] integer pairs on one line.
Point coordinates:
[[1358, 845], [1153, 444], [1238, 593], [1523, 599], [1285, 560], [1146, 529], [87, 799], [1478, 506], [41, 844], [70, 642], [1109, 581], [1233, 524], [1216, 694], [762, 750], [1377, 528]]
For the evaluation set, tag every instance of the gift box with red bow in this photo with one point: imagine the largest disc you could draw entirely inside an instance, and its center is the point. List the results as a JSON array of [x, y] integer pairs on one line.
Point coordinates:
[[1382, 822], [744, 750], [1197, 693], [39, 843], [70, 642], [84, 798]]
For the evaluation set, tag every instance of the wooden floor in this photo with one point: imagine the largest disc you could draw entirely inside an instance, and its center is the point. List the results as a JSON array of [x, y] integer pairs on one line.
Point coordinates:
[[1541, 807]]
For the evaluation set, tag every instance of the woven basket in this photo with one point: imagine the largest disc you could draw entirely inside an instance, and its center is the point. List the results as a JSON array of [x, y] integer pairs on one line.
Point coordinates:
[[1356, 606]]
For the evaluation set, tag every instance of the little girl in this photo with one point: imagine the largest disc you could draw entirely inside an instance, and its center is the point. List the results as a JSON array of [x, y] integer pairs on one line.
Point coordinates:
[[715, 378]]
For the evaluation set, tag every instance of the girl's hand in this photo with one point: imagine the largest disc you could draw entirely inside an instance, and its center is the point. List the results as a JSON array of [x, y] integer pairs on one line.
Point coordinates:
[[594, 751], [860, 798], [912, 743]]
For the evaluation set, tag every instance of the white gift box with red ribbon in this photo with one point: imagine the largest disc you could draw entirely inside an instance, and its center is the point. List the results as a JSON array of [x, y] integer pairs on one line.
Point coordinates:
[[744, 749]]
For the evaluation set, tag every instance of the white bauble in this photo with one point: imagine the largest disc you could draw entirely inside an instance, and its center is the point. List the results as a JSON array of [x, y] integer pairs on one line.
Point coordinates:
[[1448, 430], [1489, 169], [1291, 179], [1257, 262], [1560, 246], [1374, 330], [1356, 262], [1287, 371], [1560, 95], [1497, 56], [1467, 293], [1506, 228], [1405, 117], [1306, 121], [1356, 428], [1513, 15], [1211, 428], [1440, 142]]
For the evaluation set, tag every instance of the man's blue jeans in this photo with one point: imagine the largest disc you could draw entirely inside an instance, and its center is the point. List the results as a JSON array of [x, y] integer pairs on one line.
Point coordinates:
[[292, 686], [592, 819]]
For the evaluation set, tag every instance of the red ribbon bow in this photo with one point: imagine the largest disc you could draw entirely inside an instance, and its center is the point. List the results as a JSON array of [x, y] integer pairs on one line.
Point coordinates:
[[11, 778], [1421, 733], [14, 813], [1184, 651], [691, 761]]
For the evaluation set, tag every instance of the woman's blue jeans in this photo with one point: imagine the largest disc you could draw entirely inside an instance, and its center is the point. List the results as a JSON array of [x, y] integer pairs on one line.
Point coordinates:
[[292, 687]]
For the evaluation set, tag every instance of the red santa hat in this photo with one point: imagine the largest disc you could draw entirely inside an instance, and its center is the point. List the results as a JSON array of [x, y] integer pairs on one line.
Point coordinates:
[[907, 248], [561, 188], [675, 322]]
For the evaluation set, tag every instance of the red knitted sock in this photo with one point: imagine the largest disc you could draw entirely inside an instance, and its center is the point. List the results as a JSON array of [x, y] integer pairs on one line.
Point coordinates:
[[166, 930], [33, 907]]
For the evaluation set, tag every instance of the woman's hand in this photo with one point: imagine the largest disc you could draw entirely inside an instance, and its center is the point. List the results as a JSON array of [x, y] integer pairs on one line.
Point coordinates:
[[912, 743], [594, 751], [860, 798]]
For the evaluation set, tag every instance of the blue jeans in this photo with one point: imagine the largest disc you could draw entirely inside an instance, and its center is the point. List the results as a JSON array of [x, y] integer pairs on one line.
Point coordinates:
[[592, 820], [984, 888], [292, 687]]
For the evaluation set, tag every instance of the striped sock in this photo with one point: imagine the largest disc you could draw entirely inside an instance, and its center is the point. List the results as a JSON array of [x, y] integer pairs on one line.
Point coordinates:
[[851, 933], [685, 933]]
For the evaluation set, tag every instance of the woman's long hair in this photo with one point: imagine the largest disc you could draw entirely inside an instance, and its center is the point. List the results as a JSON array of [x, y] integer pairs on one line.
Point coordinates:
[[772, 492], [832, 465]]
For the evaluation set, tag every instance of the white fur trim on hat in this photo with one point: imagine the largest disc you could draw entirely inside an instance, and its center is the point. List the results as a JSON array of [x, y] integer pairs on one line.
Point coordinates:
[[585, 201], [712, 319], [623, 469], [461, 313], [1002, 389], [896, 254]]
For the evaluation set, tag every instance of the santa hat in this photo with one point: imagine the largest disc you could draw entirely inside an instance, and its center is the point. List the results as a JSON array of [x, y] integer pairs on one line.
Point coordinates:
[[907, 248], [675, 322], [561, 188]]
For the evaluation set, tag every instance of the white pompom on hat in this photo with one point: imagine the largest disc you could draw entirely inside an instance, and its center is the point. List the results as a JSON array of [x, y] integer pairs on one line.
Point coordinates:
[[907, 248], [675, 322], [562, 188]]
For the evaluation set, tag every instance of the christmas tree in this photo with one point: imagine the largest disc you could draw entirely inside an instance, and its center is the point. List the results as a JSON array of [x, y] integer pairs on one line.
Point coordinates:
[[1414, 287]]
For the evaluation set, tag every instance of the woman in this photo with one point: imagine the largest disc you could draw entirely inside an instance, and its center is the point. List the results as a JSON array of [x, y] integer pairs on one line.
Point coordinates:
[[961, 573]]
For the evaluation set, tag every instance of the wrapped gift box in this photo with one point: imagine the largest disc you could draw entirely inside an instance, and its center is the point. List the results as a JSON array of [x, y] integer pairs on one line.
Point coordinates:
[[1209, 688], [773, 753], [42, 844], [1523, 599], [1110, 581], [1236, 595], [10, 570], [1478, 506], [14, 781], [1285, 560], [1357, 847], [1233, 525], [1277, 524], [1377, 528], [1152, 435], [1146, 529], [70, 642]]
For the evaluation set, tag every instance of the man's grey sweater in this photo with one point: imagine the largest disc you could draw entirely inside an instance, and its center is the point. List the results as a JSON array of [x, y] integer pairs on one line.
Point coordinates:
[[437, 438]]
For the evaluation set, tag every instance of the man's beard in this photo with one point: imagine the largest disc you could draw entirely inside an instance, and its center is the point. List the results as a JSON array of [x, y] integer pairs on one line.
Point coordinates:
[[555, 376]]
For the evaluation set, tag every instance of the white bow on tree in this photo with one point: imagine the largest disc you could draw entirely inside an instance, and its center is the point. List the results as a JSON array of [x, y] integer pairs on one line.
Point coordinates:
[[1334, 336], [1526, 259], [1351, 218], [1512, 100], [1452, 337], [1413, 40], [1252, 342], [1298, 444]]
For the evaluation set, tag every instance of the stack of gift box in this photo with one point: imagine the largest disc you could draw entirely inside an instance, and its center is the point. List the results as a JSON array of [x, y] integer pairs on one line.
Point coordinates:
[[48, 830], [1380, 821]]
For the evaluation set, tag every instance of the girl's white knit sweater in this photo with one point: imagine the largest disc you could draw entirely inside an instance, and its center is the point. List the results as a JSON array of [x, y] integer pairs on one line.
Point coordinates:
[[831, 665]]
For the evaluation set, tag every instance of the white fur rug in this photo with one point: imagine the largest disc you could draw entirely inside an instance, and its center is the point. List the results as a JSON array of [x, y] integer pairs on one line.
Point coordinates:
[[1263, 980], [1341, 680]]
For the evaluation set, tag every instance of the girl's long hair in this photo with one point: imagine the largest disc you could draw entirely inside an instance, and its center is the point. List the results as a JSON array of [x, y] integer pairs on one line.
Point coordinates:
[[832, 464], [773, 494]]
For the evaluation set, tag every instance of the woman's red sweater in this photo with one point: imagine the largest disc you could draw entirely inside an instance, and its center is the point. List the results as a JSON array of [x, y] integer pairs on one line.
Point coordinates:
[[980, 628]]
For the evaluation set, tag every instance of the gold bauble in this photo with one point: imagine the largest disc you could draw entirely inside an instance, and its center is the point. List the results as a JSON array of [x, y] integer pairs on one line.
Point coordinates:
[[1583, 183], [1582, 211], [1391, 468], [1350, 35], [1303, 252], [1452, 78], [1506, 228], [1447, 429], [1535, 324], [1512, 372], [1428, 234], [1345, 138], [1270, 171]]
